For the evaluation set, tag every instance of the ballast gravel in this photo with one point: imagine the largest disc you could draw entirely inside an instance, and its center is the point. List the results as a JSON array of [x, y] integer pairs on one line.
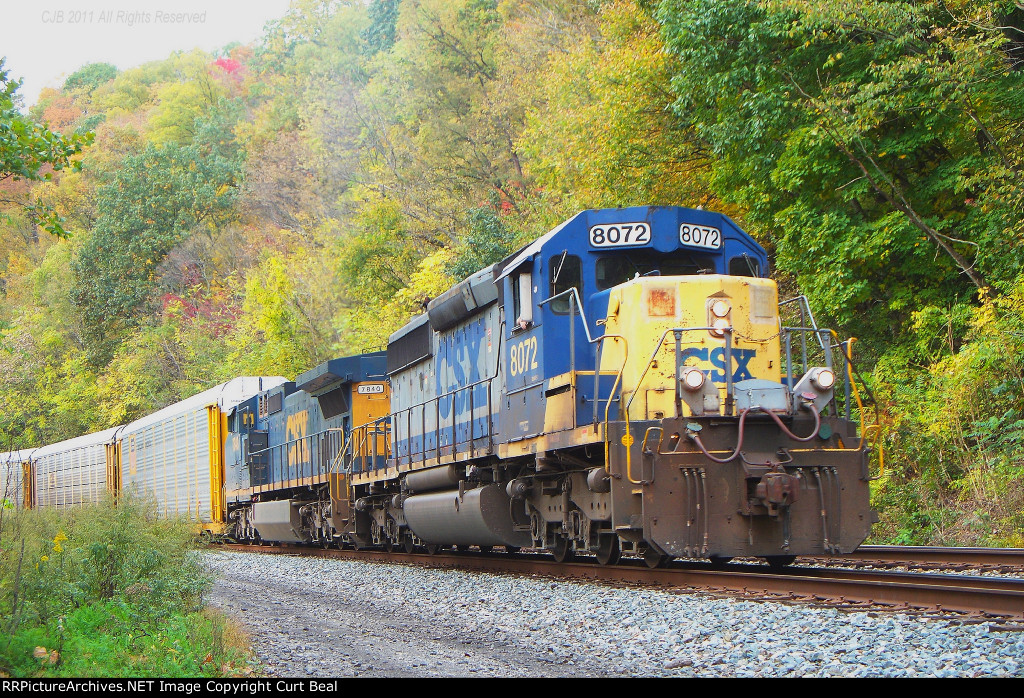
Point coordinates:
[[326, 618]]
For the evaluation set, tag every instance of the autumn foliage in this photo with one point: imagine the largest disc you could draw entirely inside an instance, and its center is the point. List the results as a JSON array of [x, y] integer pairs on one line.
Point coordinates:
[[267, 207]]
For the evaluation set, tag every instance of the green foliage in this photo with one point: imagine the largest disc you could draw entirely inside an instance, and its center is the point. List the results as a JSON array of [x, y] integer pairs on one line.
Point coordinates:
[[368, 331], [958, 433], [381, 34], [873, 141], [602, 133], [157, 199], [90, 76], [487, 240], [106, 590], [31, 151], [181, 103]]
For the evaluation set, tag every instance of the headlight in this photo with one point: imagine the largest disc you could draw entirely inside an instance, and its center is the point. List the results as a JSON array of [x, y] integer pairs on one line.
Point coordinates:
[[823, 379], [720, 308], [693, 379], [720, 325]]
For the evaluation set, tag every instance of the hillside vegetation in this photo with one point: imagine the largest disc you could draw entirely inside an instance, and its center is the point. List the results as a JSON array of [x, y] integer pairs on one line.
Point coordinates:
[[105, 591], [270, 206]]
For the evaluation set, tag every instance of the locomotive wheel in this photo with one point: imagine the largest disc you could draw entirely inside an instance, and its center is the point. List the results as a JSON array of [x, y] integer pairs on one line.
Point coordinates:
[[778, 562], [608, 550], [562, 549], [433, 548], [653, 559], [408, 544], [512, 549], [486, 548], [719, 561]]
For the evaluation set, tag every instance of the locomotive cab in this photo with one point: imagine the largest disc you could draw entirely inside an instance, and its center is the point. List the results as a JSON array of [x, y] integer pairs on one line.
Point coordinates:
[[653, 332], [618, 385]]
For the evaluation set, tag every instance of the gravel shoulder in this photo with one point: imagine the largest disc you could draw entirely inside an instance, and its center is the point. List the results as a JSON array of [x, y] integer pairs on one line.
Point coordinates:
[[326, 618]]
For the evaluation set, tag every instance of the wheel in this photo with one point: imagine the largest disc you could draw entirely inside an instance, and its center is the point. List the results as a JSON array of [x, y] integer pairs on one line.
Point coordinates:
[[433, 548], [512, 549], [608, 550], [719, 561], [486, 548], [654, 559], [408, 544], [389, 545], [462, 548], [562, 549], [778, 562]]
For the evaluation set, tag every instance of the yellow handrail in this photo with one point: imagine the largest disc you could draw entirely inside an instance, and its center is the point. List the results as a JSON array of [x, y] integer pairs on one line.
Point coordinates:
[[611, 396], [865, 429]]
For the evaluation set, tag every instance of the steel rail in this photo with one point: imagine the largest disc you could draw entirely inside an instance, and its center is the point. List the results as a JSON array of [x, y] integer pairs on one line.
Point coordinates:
[[998, 598], [1013, 557]]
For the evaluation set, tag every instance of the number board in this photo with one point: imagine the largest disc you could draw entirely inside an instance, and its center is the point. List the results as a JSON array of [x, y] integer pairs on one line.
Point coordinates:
[[374, 389], [700, 236], [620, 234]]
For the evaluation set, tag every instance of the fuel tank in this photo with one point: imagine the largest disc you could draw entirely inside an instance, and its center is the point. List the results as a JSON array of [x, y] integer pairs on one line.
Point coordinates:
[[480, 516]]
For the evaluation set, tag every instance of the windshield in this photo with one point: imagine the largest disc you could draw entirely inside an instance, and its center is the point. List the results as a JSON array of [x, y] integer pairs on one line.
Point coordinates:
[[612, 271]]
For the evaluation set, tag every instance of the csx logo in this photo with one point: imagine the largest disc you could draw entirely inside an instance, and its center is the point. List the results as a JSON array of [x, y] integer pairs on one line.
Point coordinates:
[[296, 427], [716, 357]]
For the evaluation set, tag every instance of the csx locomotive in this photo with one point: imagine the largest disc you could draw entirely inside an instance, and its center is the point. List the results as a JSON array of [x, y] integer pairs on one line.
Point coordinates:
[[624, 384]]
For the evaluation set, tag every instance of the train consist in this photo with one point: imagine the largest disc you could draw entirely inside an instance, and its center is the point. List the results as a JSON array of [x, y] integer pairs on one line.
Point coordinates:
[[624, 384]]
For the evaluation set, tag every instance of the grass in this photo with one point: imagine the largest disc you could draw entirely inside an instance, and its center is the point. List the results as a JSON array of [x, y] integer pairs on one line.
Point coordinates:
[[109, 591]]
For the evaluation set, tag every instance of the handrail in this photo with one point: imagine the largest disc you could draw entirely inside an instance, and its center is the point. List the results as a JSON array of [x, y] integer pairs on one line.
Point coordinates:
[[437, 428], [579, 304], [805, 306], [450, 394], [368, 432], [865, 428], [661, 342], [611, 396]]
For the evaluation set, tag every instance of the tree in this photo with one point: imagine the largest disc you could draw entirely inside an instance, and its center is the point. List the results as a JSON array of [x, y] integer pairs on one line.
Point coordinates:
[[601, 132], [90, 76], [31, 151], [156, 200], [879, 143]]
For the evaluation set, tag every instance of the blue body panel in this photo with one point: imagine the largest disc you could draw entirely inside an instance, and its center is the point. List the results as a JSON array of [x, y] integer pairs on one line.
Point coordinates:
[[432, 398], [279, 439], [556, 341]]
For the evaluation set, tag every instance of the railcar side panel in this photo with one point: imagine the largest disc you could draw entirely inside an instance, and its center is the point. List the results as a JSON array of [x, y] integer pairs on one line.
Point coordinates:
[[176, 455], [13, 467], [72, 472]]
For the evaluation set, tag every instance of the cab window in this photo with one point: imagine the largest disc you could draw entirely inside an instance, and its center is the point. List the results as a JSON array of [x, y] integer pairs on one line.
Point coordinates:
[[522, 301], [612, 271], [744, 265], [566, 271]]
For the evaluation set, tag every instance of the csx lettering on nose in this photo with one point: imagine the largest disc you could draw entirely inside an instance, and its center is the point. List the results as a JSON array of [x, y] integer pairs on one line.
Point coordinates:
[[716, 357]]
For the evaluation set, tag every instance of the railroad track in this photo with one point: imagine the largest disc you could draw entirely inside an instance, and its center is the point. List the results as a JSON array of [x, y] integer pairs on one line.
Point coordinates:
[[966, 597], [1008, 559]]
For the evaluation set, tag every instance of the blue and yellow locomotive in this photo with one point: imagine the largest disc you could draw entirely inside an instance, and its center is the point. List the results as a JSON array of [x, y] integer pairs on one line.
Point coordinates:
[[623, 384]]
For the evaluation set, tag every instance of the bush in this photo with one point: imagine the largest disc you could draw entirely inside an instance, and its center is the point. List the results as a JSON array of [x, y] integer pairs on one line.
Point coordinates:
[[108, 590], [956, 438]]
